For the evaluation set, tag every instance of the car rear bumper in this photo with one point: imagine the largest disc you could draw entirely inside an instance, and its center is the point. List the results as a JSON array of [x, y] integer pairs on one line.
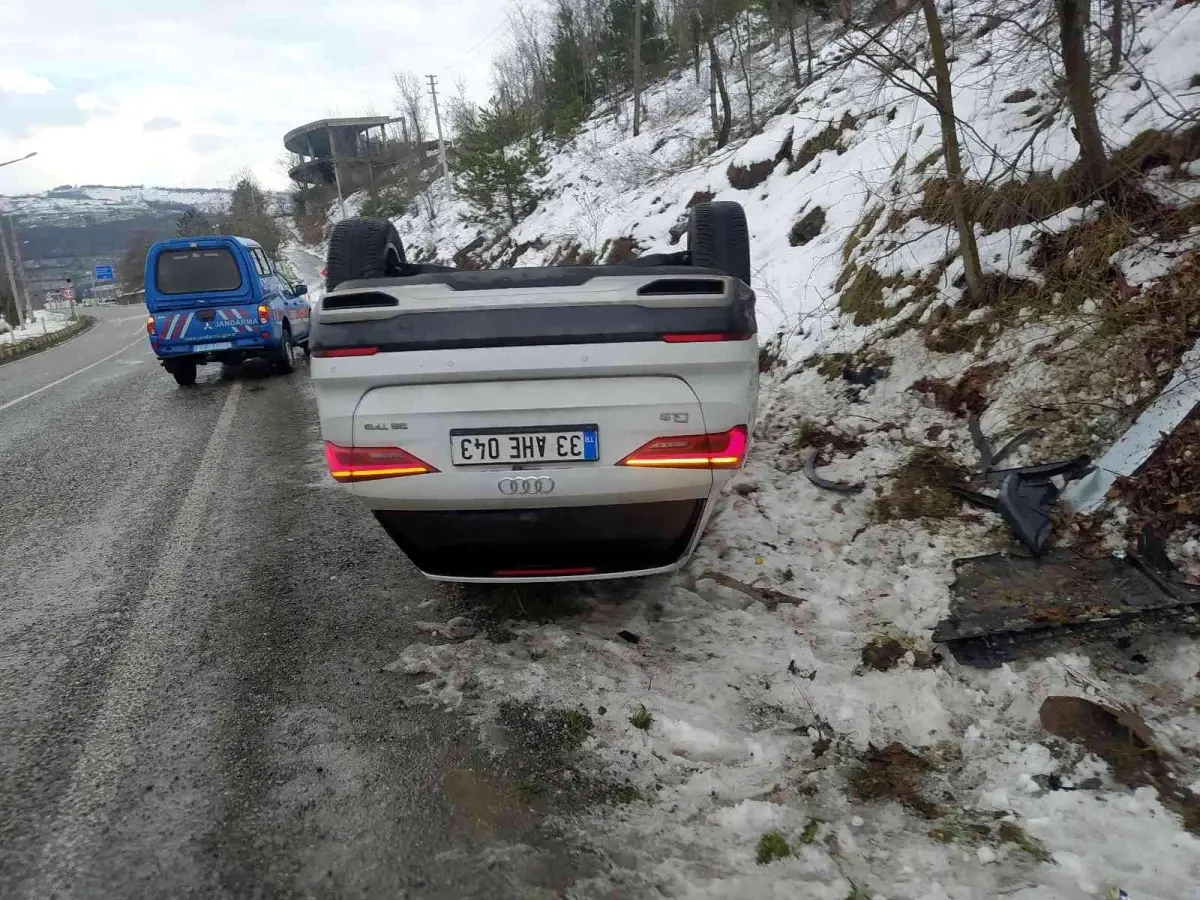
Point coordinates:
[[533, 544]]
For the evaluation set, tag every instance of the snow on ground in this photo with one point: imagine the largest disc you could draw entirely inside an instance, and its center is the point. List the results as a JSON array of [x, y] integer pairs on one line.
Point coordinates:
[[607, 184], [43, 322], [756, 719]]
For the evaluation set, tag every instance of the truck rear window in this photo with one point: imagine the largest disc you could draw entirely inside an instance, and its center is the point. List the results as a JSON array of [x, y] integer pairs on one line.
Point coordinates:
[[197, 271]]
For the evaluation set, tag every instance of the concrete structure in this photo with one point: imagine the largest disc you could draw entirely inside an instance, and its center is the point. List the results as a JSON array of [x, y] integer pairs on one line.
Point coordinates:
[[345, 153]]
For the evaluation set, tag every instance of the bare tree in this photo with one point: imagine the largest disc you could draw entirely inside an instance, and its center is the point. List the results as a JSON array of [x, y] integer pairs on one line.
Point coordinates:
[[968, 247], [410, 99], [721, 130], [637, 67], [741, 47], [1116, 36], [1073, 16]]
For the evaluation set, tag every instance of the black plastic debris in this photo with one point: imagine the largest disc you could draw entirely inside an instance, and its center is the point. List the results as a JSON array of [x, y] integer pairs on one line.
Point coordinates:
[[1025, 495], [1004, 604], [629, 636], [810, 472]]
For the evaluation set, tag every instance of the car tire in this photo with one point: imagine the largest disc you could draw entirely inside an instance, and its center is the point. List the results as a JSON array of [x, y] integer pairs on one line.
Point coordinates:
[[719, 238], [285, 360], [363, 248], [184, 373]]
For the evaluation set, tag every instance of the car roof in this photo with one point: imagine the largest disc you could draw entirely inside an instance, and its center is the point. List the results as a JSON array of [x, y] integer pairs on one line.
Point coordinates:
[[182, 243]]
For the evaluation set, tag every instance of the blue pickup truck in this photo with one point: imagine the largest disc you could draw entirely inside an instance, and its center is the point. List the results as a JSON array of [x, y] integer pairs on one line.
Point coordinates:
[[221, 299]]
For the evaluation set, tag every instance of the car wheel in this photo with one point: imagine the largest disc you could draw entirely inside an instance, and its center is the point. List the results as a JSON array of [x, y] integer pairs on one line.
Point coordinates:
[[363, 248], [287, 353], [718, 238], [184, 373]]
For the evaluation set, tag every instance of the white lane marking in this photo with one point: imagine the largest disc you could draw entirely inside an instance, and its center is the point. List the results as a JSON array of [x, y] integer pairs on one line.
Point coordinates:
[[84, 813], [56, 382]]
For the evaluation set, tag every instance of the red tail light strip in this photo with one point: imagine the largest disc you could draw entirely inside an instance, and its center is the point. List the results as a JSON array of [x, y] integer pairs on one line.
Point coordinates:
[[369, 463], [336, 352], [726, 450], [705, 338]]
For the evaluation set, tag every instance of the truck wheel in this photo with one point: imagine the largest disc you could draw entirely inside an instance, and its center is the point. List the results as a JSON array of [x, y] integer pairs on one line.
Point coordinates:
[[286, 357], [363, 248], [184, 373], [718, 238]]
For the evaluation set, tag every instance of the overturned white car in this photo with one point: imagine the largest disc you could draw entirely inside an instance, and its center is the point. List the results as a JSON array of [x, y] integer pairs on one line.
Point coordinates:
[[538, 424]]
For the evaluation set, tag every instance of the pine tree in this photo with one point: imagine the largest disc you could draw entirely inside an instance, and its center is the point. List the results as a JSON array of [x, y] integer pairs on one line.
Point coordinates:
[[249, 215], [571, 88], [194, 223], [498, 161], [615, 63]]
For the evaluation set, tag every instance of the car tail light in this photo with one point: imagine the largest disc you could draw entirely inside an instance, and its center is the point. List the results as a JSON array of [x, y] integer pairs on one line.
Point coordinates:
[[726, 450], [264, 315], [150, 327], [334, 352], [367, 463], [704, 338], [544, 573]]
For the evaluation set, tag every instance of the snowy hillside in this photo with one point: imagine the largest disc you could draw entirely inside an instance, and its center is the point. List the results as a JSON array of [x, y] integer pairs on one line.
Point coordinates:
[[91, 204], [778, 722]]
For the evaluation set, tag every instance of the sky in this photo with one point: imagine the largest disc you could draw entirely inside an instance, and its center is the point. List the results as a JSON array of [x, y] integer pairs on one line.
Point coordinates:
[[185, 95]]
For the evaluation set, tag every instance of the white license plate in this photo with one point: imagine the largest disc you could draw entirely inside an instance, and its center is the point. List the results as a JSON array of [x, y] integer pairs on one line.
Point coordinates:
[[208, 348], [527, 446]]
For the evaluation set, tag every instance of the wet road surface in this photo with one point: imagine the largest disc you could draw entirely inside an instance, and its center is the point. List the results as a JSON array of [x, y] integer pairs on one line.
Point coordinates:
[[193, 625]]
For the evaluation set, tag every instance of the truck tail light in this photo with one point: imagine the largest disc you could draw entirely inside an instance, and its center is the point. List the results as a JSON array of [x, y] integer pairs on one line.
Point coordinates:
[[726, 450], [264, 315], [150, 327], [369, 463]]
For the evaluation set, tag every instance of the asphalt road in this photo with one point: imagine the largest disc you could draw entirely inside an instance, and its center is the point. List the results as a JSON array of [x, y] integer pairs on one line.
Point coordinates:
[[193, 625]]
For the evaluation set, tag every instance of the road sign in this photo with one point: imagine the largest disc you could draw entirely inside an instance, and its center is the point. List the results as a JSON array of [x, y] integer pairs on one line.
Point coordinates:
[[104, 273], [68, 293]]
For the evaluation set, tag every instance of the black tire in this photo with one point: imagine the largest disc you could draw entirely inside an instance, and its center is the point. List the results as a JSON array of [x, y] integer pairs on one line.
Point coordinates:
[[363, 248], [184, 373], [719, 238], [284, 360]]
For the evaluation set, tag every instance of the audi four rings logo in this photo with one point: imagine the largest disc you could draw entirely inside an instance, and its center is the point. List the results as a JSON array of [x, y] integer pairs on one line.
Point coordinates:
[[515, 486]]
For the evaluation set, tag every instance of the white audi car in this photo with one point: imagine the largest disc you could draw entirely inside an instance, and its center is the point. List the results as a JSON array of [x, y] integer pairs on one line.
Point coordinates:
[[538, 424]]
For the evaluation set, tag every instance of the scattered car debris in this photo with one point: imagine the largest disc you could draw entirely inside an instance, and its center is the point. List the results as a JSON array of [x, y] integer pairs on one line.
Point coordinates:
[[1174, 404], [630, 637], [1003, 604], [1025, 495], [810, 472], [769, 597]]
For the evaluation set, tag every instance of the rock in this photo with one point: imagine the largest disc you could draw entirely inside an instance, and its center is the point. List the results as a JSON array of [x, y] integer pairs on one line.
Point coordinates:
[[1020, 96]]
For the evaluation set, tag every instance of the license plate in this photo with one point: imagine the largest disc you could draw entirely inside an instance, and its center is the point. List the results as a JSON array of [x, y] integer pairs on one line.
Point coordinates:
[[208, 348], [532, 445]]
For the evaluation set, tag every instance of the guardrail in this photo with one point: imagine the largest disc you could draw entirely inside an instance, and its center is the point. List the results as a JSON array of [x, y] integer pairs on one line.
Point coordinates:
[[37, 343]]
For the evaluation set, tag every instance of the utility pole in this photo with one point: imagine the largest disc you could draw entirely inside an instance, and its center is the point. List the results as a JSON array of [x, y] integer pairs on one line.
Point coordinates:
[[637, 67], [12, 280], [437, 118]]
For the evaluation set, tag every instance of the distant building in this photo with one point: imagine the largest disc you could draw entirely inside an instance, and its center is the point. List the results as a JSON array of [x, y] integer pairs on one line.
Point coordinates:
[[348, 154]]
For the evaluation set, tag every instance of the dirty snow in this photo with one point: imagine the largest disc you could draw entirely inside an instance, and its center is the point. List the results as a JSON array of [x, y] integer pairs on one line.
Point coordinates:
[[758, 716], [43, 322]]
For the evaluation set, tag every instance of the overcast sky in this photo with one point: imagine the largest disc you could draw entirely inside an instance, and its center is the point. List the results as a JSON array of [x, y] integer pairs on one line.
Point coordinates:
[[178, 94]]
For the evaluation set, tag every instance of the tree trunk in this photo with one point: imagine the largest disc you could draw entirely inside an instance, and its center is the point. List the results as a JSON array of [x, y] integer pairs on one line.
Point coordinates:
[[742, 46], [637, 67], [714, 61], [954, 174], [1072, 29], [696, 50], [791, 33], [808, 42], [1116, 36], [775, 18]]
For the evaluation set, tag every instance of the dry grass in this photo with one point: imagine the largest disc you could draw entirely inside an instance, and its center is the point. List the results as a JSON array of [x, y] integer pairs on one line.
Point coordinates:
[[920, 489], [966, 395]]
